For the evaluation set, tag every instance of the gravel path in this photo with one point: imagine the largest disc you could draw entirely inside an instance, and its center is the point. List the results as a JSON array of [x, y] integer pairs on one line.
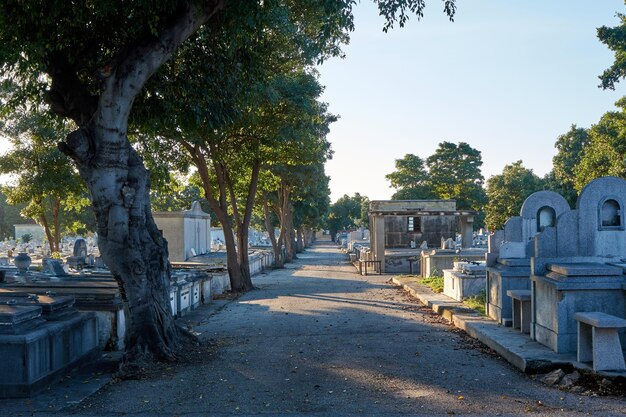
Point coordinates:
[[317, 339]]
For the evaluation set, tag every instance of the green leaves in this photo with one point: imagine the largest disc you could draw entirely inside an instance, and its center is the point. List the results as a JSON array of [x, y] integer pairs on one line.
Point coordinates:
[[411, 179], [44, 180], [604, 151], [455, 174], [506, 193], [615, 39], [452, 172]]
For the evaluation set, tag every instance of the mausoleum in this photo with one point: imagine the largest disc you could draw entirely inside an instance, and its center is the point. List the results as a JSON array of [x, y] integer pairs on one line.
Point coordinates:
[[400, 229], [188, 232]]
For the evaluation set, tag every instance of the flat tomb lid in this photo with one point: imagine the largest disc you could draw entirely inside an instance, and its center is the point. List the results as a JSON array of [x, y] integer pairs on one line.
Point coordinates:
[[584, 269], [11, 315]]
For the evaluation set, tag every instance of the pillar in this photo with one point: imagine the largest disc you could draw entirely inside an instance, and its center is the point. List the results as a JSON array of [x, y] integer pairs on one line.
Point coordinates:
[[467, 231], [377, 239]]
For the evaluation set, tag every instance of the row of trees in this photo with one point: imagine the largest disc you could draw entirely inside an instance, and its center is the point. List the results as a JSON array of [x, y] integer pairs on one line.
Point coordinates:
[[225, 86]]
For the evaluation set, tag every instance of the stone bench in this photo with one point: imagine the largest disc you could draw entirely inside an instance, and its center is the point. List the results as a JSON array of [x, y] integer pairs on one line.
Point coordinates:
[[598, 341], [521, 309]]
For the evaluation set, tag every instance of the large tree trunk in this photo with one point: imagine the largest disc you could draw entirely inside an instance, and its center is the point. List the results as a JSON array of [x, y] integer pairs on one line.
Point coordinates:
[[129, 241]]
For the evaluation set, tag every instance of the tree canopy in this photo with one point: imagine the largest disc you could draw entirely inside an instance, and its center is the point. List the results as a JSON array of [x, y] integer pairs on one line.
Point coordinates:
[[411, 179], [53, 193], [570, 149], [91, 61], [506, 193]]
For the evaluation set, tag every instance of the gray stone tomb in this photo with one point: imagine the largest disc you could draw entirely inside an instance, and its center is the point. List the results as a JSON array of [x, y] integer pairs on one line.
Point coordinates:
[[510, 250], [577, 266]]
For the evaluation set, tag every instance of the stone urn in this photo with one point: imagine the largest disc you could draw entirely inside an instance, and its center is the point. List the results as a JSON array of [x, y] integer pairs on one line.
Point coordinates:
[[22, 261]]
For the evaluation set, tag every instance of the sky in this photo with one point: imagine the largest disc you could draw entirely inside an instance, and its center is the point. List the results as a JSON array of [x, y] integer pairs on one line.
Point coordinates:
[[507, 77]]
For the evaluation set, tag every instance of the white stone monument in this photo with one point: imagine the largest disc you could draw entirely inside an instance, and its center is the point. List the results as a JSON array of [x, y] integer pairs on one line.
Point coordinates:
[[188, 232]]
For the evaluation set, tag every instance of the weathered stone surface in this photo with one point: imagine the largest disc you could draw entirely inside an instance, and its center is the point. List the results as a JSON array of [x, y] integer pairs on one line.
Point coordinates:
[[52, 307], [602, 320], [80, 247], [584, 269], [513, 229], [513, 250], [545, 243], [594, 239], [16, 319], [34, 358], [553, 377], [522, 295], [569, 380], [53, 267], [567, 234], [515, 262], [540, 199], [494, 241]]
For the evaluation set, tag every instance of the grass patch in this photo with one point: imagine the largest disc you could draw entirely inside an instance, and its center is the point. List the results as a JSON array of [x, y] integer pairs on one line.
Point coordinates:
[[477, 302], [434, 283]]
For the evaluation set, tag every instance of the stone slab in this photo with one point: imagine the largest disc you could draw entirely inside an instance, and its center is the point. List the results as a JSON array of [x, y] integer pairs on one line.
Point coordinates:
[[522, 295], [517, 348], [514, 262], [53, 308], [599, 319], [562, 282], [584, 269], [11, 315], [37, 357]]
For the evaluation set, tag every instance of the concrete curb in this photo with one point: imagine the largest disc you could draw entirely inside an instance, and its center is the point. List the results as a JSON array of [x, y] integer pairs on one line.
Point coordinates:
[[525, 354]]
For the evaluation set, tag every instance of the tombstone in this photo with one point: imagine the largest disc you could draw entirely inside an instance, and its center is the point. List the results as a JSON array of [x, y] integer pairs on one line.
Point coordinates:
[[100, 263], [76, 262], [510, 250], [53, 267], [577, 266], [80, 247], [465, 280]]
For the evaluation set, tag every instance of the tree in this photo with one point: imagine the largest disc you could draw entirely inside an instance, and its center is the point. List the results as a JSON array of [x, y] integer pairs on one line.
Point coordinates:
[[9, 215], [176, 195], [613, 38], [605, 152], [410, 179], [506, 193], [90, 63], [455, 173], [346, 213], [45, 181], [570, 148]]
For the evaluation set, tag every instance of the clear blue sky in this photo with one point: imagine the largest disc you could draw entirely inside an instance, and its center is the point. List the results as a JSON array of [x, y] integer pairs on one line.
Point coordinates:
[[507, 77]]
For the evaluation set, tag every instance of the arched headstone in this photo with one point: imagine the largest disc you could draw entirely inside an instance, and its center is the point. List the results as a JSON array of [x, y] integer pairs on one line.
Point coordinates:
[[80, 247]]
